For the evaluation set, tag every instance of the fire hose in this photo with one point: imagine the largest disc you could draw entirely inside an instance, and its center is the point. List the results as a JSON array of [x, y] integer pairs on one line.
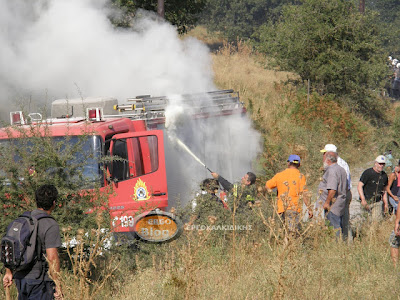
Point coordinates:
[[180, 143]]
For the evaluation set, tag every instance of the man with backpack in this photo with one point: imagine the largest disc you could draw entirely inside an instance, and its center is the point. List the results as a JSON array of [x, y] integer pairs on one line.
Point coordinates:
[[33, 277]]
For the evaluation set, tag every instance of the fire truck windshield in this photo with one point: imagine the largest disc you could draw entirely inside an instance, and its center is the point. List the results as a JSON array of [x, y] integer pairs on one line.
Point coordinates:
[[82, 156]]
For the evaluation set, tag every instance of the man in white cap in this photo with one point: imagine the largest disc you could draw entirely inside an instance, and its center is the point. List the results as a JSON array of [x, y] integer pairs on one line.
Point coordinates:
[[333, 189], [372, 189], [342, 163]]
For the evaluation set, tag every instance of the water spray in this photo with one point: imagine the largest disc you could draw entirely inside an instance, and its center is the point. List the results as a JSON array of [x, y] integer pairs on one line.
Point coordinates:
[[180, 143]]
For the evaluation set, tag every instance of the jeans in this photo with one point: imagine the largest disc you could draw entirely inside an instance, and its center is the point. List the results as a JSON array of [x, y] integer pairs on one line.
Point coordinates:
[[35, 289], [394, 204], [335, 221], [375, 213], [394, 240], [346, 228], [292, 220]]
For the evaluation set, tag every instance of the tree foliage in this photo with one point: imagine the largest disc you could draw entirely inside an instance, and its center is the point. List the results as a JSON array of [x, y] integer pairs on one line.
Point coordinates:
[[330, 43], [30, 158], [238, 19], [182, 14], [389, 15]]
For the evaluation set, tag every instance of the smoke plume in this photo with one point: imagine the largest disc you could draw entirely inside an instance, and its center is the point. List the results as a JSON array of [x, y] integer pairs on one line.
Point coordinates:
[[54, 49]]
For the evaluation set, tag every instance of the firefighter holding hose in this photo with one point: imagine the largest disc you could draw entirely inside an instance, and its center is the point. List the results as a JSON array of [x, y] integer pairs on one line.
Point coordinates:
[[245, 191]]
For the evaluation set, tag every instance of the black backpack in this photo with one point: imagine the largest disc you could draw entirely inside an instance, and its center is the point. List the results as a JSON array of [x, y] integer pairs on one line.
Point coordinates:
[[21, 246]]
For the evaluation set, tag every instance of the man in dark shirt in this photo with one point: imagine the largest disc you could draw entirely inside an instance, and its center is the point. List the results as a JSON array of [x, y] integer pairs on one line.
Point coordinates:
[[36, 283], [372, 188]]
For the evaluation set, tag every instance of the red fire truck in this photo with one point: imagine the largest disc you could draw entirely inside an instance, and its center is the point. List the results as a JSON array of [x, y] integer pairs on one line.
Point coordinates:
[[134, 133]]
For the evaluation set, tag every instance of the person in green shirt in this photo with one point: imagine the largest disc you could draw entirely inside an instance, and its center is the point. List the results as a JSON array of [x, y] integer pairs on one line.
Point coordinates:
[[245, 191]]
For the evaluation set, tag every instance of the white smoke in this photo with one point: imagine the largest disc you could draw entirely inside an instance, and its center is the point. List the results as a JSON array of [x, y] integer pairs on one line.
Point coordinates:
[[52, 49], [173, 113]]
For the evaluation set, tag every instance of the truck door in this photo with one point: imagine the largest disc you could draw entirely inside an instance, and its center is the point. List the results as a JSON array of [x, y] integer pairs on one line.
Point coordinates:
[[137, 175]]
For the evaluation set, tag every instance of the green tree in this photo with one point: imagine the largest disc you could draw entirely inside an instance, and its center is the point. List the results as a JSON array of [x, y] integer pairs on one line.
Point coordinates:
[[389, 15], [182, 14], [334, 46], [238, 19]]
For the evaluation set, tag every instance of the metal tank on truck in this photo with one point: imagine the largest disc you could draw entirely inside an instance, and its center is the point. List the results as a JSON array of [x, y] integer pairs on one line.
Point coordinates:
[[133, 138]]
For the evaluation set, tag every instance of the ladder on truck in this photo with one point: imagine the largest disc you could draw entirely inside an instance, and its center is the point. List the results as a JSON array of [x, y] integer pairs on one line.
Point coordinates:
[[199, 105], [147, 108]]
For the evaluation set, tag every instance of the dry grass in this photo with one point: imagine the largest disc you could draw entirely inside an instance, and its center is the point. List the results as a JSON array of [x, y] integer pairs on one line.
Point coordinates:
[[318, 267], [265, 96], [239, 68], [242, 70], [203, 35], [86, 253], [270, 264], [266, 265], [262, 263], [270, 102]]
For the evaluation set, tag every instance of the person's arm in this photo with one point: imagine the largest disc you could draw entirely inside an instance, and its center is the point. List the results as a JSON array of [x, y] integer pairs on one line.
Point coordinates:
[[328, 201], [361, 194], [271, 184], [54, 270], [307, 202], [390, 182], [306, 195], [332, 184], [396, 224], [385, 200], [225, 183], [7, 279], [385, 195]]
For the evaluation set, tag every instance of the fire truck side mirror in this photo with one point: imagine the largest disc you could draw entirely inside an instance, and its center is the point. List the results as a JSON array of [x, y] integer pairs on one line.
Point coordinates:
[[108, 167], [112, 174], [108, 178], [118, 165], [112, 179]]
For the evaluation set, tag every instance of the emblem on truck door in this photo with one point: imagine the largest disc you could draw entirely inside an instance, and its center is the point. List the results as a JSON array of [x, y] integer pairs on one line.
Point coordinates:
[[141, 192]]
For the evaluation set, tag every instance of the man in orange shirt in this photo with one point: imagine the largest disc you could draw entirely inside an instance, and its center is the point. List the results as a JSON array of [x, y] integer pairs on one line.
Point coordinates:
[[291, 186]]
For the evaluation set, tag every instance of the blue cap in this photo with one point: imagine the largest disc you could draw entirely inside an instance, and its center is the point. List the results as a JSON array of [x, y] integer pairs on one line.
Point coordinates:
[[293, 158]]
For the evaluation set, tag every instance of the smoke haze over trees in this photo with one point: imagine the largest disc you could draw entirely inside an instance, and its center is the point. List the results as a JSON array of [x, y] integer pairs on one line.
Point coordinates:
[[340, 50], [182, 14], [333, 45], [239, 19]]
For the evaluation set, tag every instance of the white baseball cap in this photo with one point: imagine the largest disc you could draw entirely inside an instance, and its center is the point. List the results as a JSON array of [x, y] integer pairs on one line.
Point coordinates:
[[381, 159], [329, 148]]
